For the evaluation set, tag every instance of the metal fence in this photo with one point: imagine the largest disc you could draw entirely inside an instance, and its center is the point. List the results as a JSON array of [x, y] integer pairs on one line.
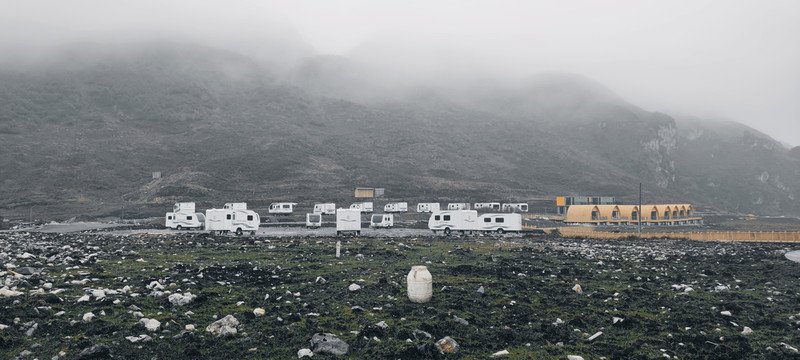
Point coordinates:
[[761, 236]]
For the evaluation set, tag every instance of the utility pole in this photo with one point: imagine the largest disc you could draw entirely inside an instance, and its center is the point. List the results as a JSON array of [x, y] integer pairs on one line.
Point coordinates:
[[30, 215], [640, 211]]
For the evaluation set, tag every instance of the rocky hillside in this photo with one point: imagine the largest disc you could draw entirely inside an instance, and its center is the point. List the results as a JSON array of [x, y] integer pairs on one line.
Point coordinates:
[[83, 131]]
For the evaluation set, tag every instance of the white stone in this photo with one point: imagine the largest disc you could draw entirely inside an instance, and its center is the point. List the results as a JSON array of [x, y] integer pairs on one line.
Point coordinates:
[[747, 331], [5, 292], [83, 298], [180, 300], [150, 324], [577, 288], [88, 317], [259, 312], [574, 357], [500, 353], [725, 313], [354, 287], [189, 327], [98, 294], [304, 353]]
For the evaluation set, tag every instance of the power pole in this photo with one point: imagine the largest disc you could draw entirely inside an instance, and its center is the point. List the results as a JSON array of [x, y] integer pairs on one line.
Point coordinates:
[[640, 211]]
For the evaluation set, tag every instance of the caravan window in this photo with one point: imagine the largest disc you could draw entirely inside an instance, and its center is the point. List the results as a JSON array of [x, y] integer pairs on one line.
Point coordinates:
[[169, 217], [188, 218], [249, 217], [499, 220], [437, 218], [228, 217], [447, 218], [286, 206], [487, 220]]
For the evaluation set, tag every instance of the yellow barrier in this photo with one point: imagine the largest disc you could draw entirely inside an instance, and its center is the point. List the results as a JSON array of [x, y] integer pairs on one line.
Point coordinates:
[[766, 236]]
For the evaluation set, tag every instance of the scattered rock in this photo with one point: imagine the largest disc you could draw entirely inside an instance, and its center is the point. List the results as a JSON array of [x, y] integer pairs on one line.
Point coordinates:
[[421, 334], [224, 327], [447, 345], [481, 290], [28, 271], [97, 351], [327, 342], [725, 313], [577, 288], [88, 317], [140, 338], [181, 299], [258, 312], [150, 324], [574, 357], [500, 353], [9, 293], [305, 353], [460, 320], [595, 336], [354, 287], [747, 331]]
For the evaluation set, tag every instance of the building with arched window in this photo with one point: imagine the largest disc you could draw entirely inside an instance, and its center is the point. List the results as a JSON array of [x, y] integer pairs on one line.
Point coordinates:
[[659, 214]]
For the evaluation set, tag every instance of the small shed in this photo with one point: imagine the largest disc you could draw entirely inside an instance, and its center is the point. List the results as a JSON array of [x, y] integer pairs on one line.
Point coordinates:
[[362, 192]]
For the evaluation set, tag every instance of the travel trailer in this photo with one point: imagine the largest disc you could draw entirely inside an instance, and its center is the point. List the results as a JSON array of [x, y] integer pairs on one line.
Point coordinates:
[[458, 206], [234, 218], [487, 206], [385, 221], [396, 207], [325, 209], [500, 223], [282, 208], [184, 220], [515, 207], [427, 207], [453, 220], [365, 207], [183, 216], [313, 220], [348, 221]]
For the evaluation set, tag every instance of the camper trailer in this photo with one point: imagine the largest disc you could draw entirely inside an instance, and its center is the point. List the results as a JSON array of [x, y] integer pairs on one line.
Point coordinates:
[[235, 206], [458, 206], [500, 223], [184, 220], [453, 220], [396, 207], [364, 207], [385, 221], [427, 207], [515, 207], [313, 220], [282, 208], [229, 219], [495, 206], [348, 221], [325, 209]]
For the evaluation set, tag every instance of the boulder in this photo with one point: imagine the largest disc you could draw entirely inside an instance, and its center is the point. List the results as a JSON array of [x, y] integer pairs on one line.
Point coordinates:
[[305, 353], [447, 345], [97, 351], [327, 342], [225, 326], [150, 324]]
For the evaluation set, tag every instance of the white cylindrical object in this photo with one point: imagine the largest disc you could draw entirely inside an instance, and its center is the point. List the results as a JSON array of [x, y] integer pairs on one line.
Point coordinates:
[[420, 284], [338, 248]]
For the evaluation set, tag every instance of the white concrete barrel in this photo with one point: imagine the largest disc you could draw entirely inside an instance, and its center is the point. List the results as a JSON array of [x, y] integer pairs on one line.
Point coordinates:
[[420, 284]]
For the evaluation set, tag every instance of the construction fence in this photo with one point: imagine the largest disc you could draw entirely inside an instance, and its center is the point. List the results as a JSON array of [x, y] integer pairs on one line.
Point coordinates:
[[766, 236]]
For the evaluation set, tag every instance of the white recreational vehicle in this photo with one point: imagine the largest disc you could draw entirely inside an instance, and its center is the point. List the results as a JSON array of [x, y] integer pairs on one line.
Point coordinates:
[[487, 206], [468, 221], [282, 208], [458, 206], [348, 221], [396, 207], [325, 209], [233, 217], [500, 223], [365, 207], [515, 207], [313, 220], [427, 207], [385, 221], [183, 216]]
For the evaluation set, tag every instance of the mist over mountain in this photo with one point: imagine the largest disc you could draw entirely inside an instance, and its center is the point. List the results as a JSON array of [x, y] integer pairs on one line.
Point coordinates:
[[84, 127]]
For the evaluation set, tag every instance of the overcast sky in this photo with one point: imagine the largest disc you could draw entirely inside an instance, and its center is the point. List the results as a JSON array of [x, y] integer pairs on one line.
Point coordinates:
[[738, 60]]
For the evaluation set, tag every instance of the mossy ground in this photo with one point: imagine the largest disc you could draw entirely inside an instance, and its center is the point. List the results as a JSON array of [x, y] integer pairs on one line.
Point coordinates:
[[527, 280]]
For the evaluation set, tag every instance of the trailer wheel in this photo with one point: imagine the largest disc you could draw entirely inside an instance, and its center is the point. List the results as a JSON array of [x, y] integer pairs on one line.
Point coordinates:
[[338, 233], [447, 231], [238, 231], [500, 231], [252, 233], [178, 227]]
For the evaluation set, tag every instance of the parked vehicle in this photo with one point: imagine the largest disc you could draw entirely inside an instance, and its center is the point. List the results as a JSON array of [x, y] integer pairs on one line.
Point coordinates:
[[427, 207], [282, 208], [348, 221], [396, 207], [313, 220], [385, 221], [458, 206], [500, 223], [233, 217], [515, 207], [183, 216], [487, 206], [453, 220], [364, 207], [325, 209]]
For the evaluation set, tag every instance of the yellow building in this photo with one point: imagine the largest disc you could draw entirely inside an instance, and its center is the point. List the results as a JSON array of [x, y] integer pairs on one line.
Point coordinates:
[[666, 214], [365, 192]]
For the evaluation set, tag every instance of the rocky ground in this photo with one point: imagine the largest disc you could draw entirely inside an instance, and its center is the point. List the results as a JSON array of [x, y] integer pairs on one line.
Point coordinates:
[[193, 295]]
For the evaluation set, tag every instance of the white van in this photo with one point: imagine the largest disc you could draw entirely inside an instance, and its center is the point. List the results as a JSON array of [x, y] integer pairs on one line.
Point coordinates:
[[313, 220], [427, 207], [348, 221], [385, 221], [325, 209], [282, 208], [364, 207]]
